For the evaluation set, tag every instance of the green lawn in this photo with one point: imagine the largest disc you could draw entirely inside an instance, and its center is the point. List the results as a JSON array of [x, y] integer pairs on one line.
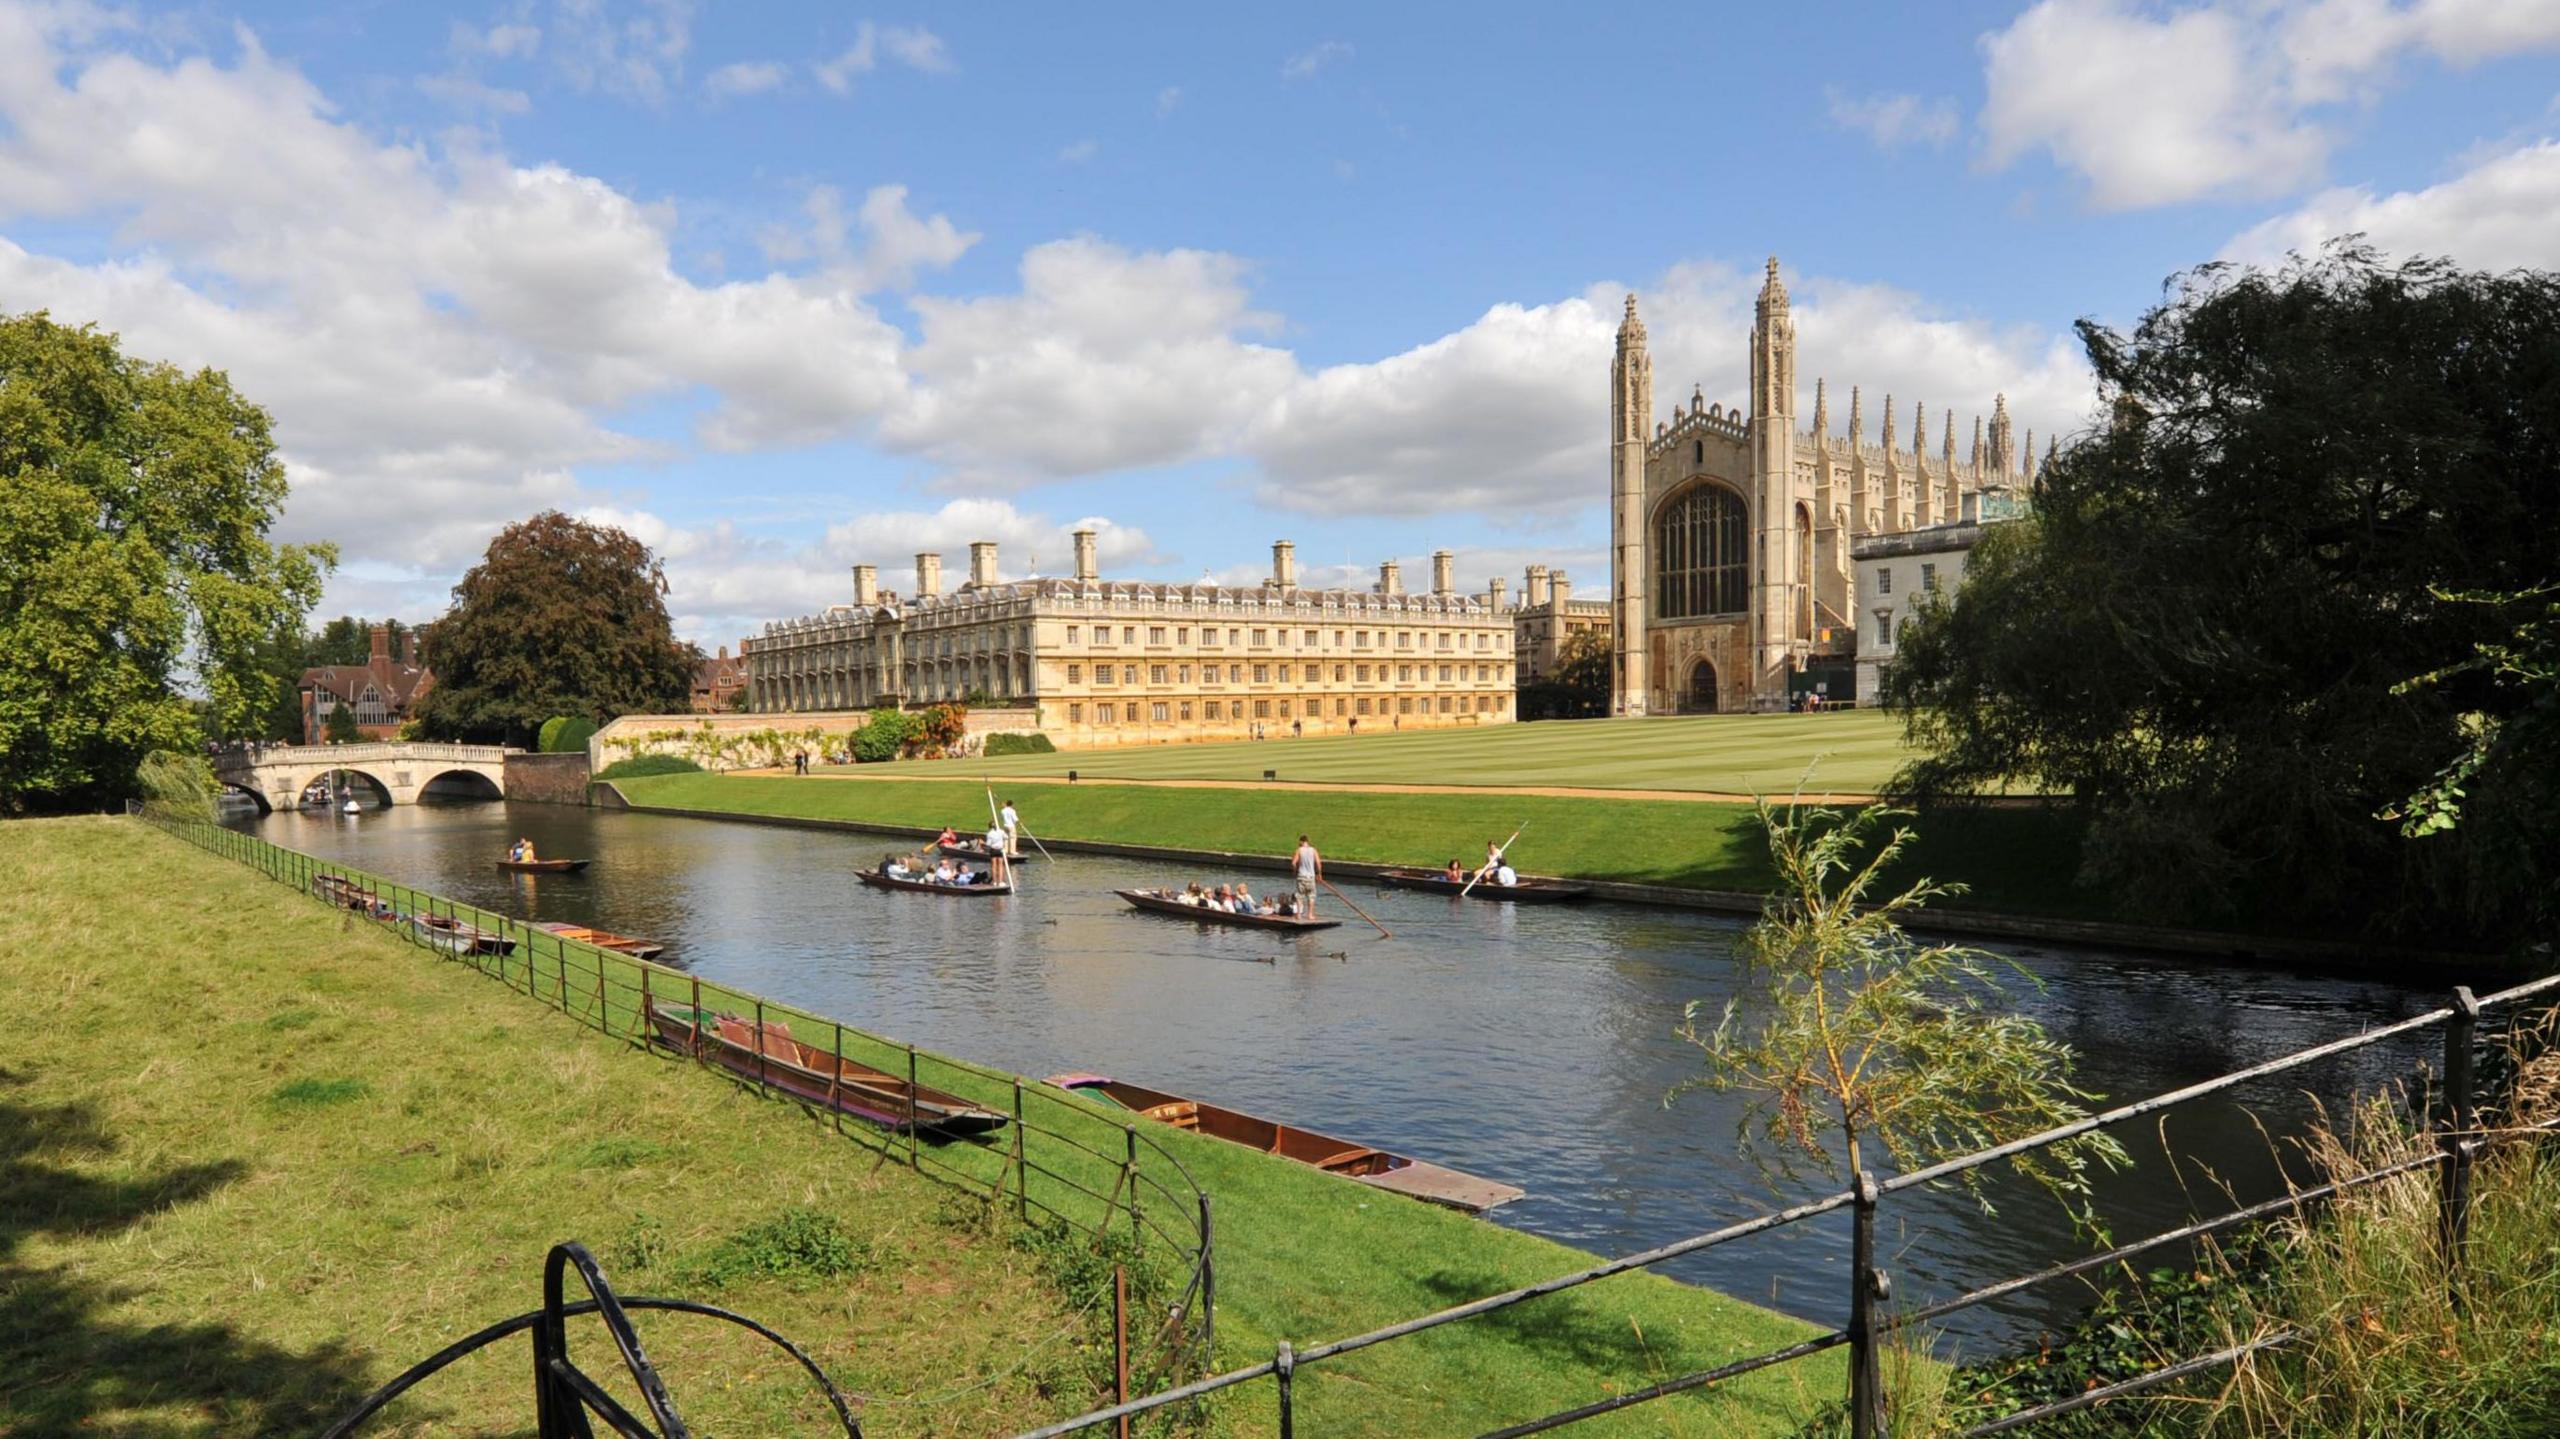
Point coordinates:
[[267, 1154], [2016, 859], [1852, 750]]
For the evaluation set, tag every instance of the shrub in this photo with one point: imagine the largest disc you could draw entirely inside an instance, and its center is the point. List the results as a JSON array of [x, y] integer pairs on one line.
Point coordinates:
[[798, 1246], [178, 784], [567, 734], [1033, 743], [640, 766], [937, 729], [543, 738], [887, 732]]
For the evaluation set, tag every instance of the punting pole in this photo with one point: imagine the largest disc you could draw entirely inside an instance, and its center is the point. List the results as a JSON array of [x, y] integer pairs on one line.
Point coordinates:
[[1026, 829], [1502, 853], [1383, 932]]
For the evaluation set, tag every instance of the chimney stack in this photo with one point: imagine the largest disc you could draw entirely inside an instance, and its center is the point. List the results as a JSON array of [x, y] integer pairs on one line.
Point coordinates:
[[1284, 565], [1086, 569], [1390, 578], [1533, 591], [1493, 593], [1443, 573], [382, 644], [982, 563], [866, 585], [409, 648], [928, 575], [1559, 585]]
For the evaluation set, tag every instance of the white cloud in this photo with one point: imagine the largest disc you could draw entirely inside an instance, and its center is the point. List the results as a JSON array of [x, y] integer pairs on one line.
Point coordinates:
[[1307, 63], [1168, 100], [1893, 121], [634, 50], [466, 92], [498, 42], [916, 48], [898, 243], [744, 77], [1080, 151], [2153, 106], [2496, 216]]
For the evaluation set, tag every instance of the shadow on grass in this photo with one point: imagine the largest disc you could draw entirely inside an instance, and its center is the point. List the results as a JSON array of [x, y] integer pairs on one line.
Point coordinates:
[[68, 1367]]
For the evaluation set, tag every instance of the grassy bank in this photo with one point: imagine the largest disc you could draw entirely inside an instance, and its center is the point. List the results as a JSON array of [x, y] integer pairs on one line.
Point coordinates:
[[1856, 750], [328, 1152], [2017, 860]]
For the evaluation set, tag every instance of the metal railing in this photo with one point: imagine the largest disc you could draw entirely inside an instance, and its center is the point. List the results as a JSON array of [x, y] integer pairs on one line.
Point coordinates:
[[1867, 1332], [361, 752], [1059, 1157]]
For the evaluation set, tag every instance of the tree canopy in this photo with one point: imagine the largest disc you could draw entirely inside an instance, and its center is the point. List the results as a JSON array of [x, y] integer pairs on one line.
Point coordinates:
[[1579, 688], [560, 617], [135, 505], [2208, 632]]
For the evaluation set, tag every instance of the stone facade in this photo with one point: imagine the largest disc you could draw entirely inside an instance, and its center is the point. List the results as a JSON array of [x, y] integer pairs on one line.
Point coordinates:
[[381, 694], [719, 680], [547, 778], [1731, 531], [1106, 662], [1895, 572], [1546, 617]]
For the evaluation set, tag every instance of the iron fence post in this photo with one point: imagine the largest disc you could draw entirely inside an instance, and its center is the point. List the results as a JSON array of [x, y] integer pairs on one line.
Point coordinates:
[[1284, 1363], [1866, 1372], [915, 1154], [1137, 1230], [1021, 1159], [1208, 1291], [2455, 1138]]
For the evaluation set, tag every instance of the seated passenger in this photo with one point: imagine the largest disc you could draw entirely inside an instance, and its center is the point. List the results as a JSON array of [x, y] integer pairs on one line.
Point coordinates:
[[1455, 873], [1245, 902], [943, 872], [946, 837], [1506, 876]]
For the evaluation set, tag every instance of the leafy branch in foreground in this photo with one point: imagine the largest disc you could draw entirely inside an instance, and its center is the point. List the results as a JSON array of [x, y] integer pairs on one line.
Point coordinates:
[[1851, 1030]]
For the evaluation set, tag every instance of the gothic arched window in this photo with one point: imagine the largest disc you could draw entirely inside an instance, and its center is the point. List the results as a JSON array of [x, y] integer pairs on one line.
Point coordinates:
[[1701, 555]]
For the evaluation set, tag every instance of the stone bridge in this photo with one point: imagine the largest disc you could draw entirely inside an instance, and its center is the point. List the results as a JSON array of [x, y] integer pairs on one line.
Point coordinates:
[[397, 771]]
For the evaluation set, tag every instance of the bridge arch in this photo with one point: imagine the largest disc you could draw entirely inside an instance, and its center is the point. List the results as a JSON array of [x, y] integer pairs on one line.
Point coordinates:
[[460, 784], [251, 791]]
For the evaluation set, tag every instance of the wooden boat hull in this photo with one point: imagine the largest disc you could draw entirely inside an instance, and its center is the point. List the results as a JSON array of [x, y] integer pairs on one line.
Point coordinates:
[[877, 880], [544, 866], [606, 939], [344, 893], [455, 937], [1413, 1178], [1527, 891], [811, 1074], [1158, 904]]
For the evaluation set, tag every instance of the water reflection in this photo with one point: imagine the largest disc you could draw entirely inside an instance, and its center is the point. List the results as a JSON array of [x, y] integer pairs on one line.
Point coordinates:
[[1532, 1045]]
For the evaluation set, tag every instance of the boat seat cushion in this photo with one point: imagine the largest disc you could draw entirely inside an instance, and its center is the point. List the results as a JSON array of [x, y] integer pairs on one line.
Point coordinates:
[[1181, 1114]]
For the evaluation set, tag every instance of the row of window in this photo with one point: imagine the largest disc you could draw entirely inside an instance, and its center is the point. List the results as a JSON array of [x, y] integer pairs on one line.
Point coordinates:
[[1209, 674], [1165, 711], [1884, 578], [1235, 638]]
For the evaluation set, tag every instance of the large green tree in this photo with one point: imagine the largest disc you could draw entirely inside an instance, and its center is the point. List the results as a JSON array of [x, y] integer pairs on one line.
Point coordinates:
[[561, 617], [1579, 688], [135, 505], [2207, 632]]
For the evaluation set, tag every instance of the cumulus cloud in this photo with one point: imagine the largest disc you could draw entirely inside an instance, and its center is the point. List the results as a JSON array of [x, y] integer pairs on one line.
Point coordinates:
[[1306, 64], [1080, 151], [2495, 216], [914, 47], [744, 77], [2153, 106], [1893, 121], [1168, 100], [633, 51]]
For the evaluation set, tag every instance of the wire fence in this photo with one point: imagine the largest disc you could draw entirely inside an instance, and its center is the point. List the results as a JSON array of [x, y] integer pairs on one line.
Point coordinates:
[[1040, 1153], [1868, 1331]]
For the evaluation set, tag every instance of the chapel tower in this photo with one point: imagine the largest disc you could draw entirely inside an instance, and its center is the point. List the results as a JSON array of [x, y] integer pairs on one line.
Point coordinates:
[[1774, 571], [1630, 426]]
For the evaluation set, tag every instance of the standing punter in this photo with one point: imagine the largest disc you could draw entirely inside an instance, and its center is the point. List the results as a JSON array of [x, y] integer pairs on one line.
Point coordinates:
[[1310, 867], [1012, 830]]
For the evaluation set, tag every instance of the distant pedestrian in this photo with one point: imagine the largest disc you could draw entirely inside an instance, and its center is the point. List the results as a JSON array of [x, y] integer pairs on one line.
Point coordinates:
[[1297, 729], [1310, 867]]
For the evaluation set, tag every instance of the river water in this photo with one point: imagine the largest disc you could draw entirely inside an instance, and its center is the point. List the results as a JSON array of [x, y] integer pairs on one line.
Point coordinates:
[[1531, 1044]]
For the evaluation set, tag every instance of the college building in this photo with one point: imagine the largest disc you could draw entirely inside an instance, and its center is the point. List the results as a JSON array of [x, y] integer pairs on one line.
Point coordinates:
[[1732, 531], [380, 695], [1547, 616], [1107, 662]]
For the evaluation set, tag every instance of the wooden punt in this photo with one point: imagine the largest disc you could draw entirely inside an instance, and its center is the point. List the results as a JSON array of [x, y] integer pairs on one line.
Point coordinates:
[[607, 939], [544, 866], [1527, 891], [1413, 1178], [344, 893], [877, 880], [778, 1061], [977, 849], [454, 936], [1156, 902]]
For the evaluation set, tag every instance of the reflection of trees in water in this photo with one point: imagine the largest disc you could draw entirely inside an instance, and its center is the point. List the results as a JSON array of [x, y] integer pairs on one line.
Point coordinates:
[[66, 1358]]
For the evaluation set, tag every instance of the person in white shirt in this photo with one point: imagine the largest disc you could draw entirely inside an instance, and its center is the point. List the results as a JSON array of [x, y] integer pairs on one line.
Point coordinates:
[[1506, 876], [1310, 867], [1012, 823], [999, 851]]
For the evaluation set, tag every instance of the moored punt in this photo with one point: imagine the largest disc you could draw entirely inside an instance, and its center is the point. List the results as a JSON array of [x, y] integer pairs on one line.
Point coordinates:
[[1527, 891], [877, 880], [977, 849], [606, 939], [343, 892], [544, 866], [1158, 902], [457, 937], [768, 1054], [1413, 1178]]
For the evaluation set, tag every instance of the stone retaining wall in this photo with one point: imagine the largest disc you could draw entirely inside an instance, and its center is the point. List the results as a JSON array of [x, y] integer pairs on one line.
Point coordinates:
[[547, 778]]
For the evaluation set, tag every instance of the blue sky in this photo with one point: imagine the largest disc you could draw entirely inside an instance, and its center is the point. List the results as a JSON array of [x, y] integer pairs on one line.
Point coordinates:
[[787, 287]]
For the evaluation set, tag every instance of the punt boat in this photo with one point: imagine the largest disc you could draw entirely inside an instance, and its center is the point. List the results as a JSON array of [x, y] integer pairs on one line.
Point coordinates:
[[877, 880], [1527, 891], [455, 936], [768, 1055], [544, 866], [345, 893], [607, 939], [977, 849], [1413, 1178], [1158, 902]]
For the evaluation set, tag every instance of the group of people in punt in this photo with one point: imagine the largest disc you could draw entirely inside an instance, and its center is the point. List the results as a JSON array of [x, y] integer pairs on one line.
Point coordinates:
[[1237, 898], [918, 869], [1496, 869], [521, 852]]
